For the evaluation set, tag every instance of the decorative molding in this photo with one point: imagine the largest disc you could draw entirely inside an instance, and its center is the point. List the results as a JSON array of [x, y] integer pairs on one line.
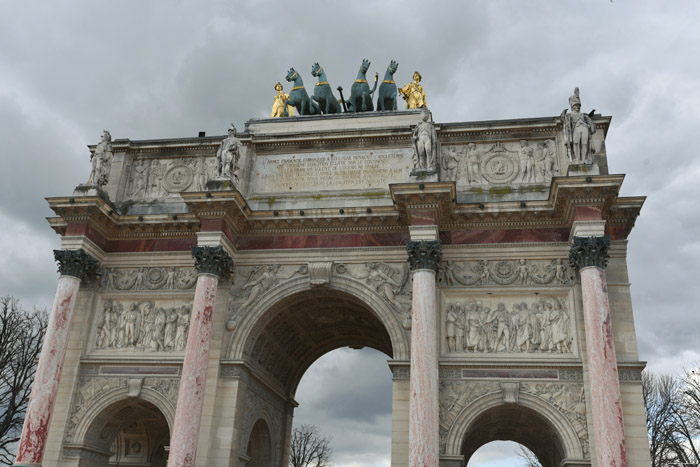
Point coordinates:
[[589, 251], [76, 263], [424, 254], [212, 260], [401, 372]]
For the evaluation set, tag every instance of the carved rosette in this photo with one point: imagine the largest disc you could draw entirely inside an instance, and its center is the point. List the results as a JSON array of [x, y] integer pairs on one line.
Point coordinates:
[[212, 260], [76, 263], [424, 254], [589, 251]]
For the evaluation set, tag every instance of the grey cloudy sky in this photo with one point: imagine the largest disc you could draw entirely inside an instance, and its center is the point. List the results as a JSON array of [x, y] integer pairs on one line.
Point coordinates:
[[164, 69]]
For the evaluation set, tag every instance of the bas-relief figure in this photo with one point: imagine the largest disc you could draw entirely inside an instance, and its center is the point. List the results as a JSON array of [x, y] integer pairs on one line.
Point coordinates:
[[543, 326], [425, 146], [101, 161], [149, 326], [578, 132], [299, 98], [228, 155], [323, 94], [504, 272], [414, 94], [449, 163], [527, 158], [360, 94], [280, 108], [254, 282]]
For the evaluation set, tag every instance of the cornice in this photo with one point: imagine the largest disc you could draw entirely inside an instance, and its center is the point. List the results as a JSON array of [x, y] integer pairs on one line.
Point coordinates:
[[557, 211]]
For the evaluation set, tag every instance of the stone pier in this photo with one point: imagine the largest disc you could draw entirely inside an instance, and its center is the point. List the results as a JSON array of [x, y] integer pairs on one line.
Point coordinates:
[[590, 256], [211, 263], [74, 266], [424, 424]]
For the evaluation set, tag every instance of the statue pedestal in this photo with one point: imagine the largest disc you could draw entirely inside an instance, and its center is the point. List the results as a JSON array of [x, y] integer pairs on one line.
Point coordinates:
[[221, 184], [425, 175], [582, 169], [89, 190]]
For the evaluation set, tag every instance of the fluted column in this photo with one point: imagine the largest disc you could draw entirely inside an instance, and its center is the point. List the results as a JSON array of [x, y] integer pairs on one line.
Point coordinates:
[[212, 263], [74, 266], [589, 255], [424, 412]]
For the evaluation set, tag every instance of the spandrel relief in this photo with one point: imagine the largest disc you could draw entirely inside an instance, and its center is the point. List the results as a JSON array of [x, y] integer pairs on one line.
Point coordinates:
[[152, 179], [569, 399], [455, 396], [148, 278], [390, 281], [143, 326], [523, 162], [252, 282], [482, 273], [510, 325]]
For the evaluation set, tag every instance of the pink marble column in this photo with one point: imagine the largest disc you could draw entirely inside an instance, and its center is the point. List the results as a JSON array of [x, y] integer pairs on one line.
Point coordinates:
[[211, 263], [424, 410], [590, 256], [74, 265]]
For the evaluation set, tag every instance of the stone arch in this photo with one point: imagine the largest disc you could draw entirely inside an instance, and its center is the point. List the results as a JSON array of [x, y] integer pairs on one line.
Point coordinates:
[[118, 429], [102, 410], [390, 319], [566, 438], [259, 447]]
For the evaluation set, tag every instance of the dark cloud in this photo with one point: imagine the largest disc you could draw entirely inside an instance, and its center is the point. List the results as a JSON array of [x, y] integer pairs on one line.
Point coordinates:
[[170, 69]]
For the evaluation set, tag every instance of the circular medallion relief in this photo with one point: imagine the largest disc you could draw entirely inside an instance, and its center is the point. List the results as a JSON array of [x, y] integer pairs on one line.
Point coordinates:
[[178, 179], [500, 168]]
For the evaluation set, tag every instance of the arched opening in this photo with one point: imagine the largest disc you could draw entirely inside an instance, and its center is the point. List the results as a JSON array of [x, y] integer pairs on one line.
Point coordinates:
[[259, 446], [302, 327], [512, 422], [347, 395], [293, 333], [131, 432], [503, 454]]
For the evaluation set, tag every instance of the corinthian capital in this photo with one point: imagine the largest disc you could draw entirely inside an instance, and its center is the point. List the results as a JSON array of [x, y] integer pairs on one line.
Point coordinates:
[[589, 251], [212, 260], [76, 263], [424, 254]]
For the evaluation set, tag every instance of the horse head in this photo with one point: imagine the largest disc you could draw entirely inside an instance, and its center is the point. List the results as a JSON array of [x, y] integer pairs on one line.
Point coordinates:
[[365, 65], [292, 75], [393, 66], [316, 69]]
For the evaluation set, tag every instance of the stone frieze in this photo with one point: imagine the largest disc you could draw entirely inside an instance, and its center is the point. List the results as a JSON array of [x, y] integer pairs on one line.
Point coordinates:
[[521, 272], [148, 278]]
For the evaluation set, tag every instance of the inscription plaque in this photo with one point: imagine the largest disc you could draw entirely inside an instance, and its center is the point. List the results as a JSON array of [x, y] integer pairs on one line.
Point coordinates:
[[346, 170]]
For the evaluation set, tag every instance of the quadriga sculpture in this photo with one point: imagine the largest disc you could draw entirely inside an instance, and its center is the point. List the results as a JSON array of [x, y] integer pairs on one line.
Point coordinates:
[[299, 98], [323, 93], [360, 95], [387, 90]]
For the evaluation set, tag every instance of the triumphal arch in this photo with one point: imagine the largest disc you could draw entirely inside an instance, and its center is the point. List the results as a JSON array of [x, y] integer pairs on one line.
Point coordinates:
[[200, 277]]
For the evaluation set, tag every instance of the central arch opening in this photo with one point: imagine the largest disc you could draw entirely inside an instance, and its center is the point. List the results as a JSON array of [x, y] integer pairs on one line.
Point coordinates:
[[351, 379], [512, 422]]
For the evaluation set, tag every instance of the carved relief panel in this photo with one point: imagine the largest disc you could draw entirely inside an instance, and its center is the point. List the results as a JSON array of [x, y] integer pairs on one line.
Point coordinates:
[[151, 179], [511, 163], [527, 324], [142, 325]]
